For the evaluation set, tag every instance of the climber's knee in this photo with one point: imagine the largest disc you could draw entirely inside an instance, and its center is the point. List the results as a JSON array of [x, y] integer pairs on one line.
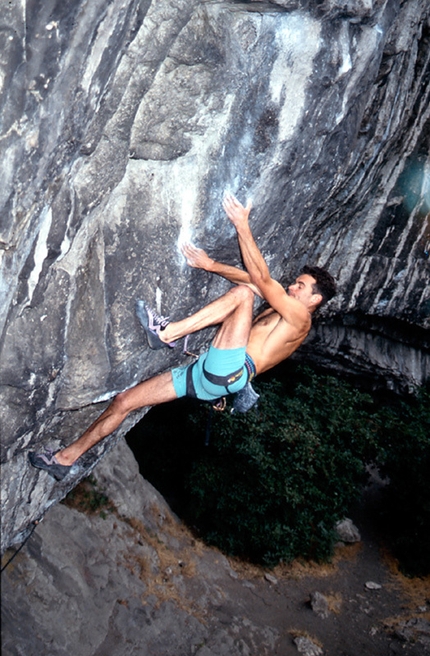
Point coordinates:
[[122, 405], [243, 294]]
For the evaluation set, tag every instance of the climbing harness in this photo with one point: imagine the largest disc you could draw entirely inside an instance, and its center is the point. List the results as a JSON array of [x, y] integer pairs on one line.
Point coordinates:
[[244, 400], [223, 381]]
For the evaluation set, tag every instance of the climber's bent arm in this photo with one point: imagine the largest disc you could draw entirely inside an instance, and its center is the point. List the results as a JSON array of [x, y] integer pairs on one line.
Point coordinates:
[[199, 259]]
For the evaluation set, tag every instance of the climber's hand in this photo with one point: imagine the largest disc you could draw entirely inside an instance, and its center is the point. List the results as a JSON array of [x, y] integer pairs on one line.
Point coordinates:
[[197, 257], [236, 212]]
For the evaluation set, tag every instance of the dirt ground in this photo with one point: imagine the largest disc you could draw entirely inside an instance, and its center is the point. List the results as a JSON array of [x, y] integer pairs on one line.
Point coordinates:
[[361, 620], [391, 617]]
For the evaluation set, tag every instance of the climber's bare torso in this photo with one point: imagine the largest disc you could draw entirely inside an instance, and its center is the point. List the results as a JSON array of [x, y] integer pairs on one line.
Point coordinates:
[[278, 331], [273, 339]]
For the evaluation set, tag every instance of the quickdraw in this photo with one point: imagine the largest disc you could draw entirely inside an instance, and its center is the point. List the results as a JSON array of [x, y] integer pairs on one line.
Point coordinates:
[[220, 405]]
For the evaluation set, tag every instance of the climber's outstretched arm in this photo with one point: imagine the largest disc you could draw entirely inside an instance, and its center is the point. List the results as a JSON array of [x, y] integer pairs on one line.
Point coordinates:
[[291, 310], [199, 259], [254, 261]]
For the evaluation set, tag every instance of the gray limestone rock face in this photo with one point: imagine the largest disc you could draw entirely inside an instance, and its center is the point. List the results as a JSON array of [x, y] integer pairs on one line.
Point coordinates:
[[127, 581], [123, 123]]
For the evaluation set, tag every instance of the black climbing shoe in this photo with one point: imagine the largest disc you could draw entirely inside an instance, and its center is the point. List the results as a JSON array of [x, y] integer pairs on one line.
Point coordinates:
[[152, 324], [49, 463]]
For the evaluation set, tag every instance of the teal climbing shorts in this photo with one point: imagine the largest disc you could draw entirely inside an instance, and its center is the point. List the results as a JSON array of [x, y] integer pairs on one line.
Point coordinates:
[[215, 374]]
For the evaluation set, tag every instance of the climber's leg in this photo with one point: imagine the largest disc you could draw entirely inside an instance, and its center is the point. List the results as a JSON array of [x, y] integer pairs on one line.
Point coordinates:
[[233, 311], [154, 391], [221, 370]]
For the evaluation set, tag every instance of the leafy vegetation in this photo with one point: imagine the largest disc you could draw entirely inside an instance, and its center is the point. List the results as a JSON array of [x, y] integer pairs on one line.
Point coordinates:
[[87, 498], [272, 483], [278, 478]]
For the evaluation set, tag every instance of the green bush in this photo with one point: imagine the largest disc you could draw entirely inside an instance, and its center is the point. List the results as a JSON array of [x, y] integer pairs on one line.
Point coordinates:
[[276, 480], [273, 482]]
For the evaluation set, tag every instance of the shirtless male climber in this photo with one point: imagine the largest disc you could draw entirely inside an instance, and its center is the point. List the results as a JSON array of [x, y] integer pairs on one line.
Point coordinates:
[[241, 349]]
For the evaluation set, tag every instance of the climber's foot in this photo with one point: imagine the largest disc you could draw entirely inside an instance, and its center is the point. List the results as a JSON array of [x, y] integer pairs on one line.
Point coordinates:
[[47, 461], [152, 324]]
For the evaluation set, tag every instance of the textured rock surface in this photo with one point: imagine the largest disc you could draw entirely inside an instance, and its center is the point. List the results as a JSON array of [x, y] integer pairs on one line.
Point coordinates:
[[134, 582], [122, 124], [138, 582], [307, 647], [347, 531]]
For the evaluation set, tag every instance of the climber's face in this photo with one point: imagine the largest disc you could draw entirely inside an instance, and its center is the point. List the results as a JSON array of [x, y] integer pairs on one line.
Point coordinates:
[[303, 290]]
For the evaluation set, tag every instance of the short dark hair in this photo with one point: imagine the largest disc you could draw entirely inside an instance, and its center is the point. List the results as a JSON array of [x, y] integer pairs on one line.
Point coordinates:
[[325, 283]]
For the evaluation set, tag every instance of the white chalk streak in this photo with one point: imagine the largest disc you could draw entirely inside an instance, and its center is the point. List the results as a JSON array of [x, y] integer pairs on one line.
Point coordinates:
[[298, 44], [40, 252]]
